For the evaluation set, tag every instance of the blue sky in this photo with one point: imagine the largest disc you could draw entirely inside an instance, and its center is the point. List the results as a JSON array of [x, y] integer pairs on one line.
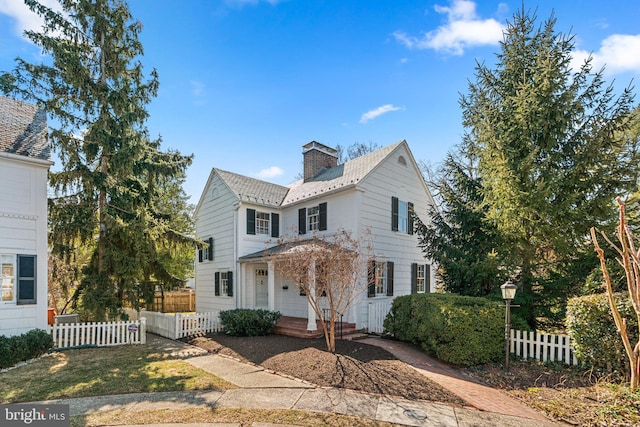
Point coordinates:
[[245, 83]]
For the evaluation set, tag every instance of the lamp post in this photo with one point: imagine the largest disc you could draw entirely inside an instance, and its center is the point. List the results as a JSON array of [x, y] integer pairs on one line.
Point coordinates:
[[508, 294]]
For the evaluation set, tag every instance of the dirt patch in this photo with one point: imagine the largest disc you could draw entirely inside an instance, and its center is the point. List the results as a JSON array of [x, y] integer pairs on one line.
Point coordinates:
[[354, 366]]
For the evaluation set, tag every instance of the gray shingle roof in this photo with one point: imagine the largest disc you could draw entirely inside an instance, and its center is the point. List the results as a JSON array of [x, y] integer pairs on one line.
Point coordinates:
[[342, 176], [23, 129], [253, 190]]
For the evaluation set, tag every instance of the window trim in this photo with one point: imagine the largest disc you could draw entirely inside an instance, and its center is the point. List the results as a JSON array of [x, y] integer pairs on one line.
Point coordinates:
[[387, 268], [12, 261]]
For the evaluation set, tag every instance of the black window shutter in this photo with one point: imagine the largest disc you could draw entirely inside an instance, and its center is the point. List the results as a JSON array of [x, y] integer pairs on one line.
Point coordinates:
[[323, 216], [275, 225], [200, 255], [302, 221], [414, 278], [217, 283], [371, 279], [26, 279], [394, 213], [427, 278], [251, 221], [410, 218], [230, 283], [210, 249], [389, 278]]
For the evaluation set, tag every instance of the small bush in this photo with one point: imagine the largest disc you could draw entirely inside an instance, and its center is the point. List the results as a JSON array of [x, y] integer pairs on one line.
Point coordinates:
[[592, 329], [24, 347], [457, 329], [244, 322]]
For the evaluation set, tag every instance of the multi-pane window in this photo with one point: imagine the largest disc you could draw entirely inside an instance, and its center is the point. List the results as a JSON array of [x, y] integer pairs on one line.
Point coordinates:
[[262, 222], [224, 283], [7, 277], [381, 278], [420, 276], [313, 218], [403, 216]]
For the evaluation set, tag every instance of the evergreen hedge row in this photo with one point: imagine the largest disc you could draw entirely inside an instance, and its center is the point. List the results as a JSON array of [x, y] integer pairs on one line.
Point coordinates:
[[593, 331], [23, 347], [457, 329], [244, 322]]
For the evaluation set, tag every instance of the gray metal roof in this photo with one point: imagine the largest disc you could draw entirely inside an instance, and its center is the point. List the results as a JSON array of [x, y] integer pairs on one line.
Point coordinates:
[[23, 129]]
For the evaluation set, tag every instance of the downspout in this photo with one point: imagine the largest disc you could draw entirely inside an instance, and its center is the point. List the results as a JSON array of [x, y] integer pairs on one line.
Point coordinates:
[[237, 273]]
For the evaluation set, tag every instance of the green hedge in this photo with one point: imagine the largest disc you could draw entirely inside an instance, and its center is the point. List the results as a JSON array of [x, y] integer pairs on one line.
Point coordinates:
[[457, 329], [243, 322], [593, 331], [24, 347]]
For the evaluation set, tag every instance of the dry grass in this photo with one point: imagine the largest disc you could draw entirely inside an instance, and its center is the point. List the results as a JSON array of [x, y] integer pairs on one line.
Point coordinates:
[[243, 417], [103, 371]]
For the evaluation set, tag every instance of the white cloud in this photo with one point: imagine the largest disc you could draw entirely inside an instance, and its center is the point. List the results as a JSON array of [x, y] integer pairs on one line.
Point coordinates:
[[197, 88], [618, 53], [272, 172], [24, 18], [463, 29], [372, 114]]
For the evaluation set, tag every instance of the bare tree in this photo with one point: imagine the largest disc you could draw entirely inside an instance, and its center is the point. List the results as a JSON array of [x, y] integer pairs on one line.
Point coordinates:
[[629, 259], [331, 271]]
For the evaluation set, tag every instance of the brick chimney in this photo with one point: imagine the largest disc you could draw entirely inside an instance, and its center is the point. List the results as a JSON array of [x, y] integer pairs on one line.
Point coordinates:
[[317, 157]]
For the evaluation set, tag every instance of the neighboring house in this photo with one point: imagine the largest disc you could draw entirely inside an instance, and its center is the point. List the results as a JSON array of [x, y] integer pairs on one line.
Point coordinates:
[[240, 217], [24, 164]]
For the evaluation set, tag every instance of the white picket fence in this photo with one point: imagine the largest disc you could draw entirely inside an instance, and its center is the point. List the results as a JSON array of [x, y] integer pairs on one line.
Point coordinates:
[[178, 325], [542, 346], [377, 312], [99, 334]]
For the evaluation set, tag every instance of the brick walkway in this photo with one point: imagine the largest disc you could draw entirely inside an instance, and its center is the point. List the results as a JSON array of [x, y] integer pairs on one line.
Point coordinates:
[[476, 395]]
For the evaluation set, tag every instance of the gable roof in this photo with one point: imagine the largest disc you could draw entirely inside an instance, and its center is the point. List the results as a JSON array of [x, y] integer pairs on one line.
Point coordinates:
[[342, 176], [346, 175], [23, 129], [253, 190]]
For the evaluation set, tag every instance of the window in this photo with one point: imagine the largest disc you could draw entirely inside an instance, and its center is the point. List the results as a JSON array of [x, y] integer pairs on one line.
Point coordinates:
[[420, 278], [223, 283], [401, 216], [312, 219], [263, 223], [380, 278], [18, 276], [206, 253], [8, 278]]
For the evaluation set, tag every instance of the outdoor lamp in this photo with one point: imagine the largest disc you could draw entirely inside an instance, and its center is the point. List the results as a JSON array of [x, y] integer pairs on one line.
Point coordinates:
[[508, 294]]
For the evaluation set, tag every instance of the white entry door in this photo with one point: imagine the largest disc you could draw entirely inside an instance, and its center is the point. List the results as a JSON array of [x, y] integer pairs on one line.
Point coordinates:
[[262, 288]]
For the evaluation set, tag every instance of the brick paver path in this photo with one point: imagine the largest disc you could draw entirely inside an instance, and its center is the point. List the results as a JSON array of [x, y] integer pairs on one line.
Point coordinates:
[[477, 395]]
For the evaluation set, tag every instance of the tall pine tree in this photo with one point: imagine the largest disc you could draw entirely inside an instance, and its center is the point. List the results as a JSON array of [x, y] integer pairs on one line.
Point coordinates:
[[551, 158], [109, 190]]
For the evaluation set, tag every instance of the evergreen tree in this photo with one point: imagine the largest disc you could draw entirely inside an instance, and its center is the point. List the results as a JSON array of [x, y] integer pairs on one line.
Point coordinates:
[[459, 238], [550, 156], [109, 190]]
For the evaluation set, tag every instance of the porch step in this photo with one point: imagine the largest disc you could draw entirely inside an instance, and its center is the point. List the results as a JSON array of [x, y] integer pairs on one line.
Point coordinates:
[[297, 327]]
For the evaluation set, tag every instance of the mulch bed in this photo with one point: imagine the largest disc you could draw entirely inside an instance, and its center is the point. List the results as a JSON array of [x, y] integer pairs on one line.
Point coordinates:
[[355, 365]]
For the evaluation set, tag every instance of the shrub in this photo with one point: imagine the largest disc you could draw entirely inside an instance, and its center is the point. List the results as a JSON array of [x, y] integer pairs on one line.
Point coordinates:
[[243, 322], [457, 329], [24, 347], [593, 332]]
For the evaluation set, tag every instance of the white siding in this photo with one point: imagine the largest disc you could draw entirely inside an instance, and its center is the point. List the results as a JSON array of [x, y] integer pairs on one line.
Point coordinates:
[[23, 230], [215, 218]]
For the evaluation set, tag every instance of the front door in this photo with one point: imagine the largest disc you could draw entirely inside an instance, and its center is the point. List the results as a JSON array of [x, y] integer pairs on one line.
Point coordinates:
[[262, 289]]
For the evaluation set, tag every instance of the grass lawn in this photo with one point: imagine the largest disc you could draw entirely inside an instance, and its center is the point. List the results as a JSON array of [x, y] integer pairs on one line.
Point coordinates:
[[103, 371]]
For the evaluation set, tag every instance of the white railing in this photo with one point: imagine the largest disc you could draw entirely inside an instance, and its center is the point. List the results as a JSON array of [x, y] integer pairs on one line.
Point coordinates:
[[178, 325], [377, 312], [99, 334], [542, 346]]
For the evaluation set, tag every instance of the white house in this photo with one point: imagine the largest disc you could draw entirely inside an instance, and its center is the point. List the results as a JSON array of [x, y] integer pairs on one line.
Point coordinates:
[[240, 217], [24, 164]]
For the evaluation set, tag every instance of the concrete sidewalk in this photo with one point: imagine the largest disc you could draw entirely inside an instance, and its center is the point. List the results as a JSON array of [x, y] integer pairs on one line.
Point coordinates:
[[261, 389]]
